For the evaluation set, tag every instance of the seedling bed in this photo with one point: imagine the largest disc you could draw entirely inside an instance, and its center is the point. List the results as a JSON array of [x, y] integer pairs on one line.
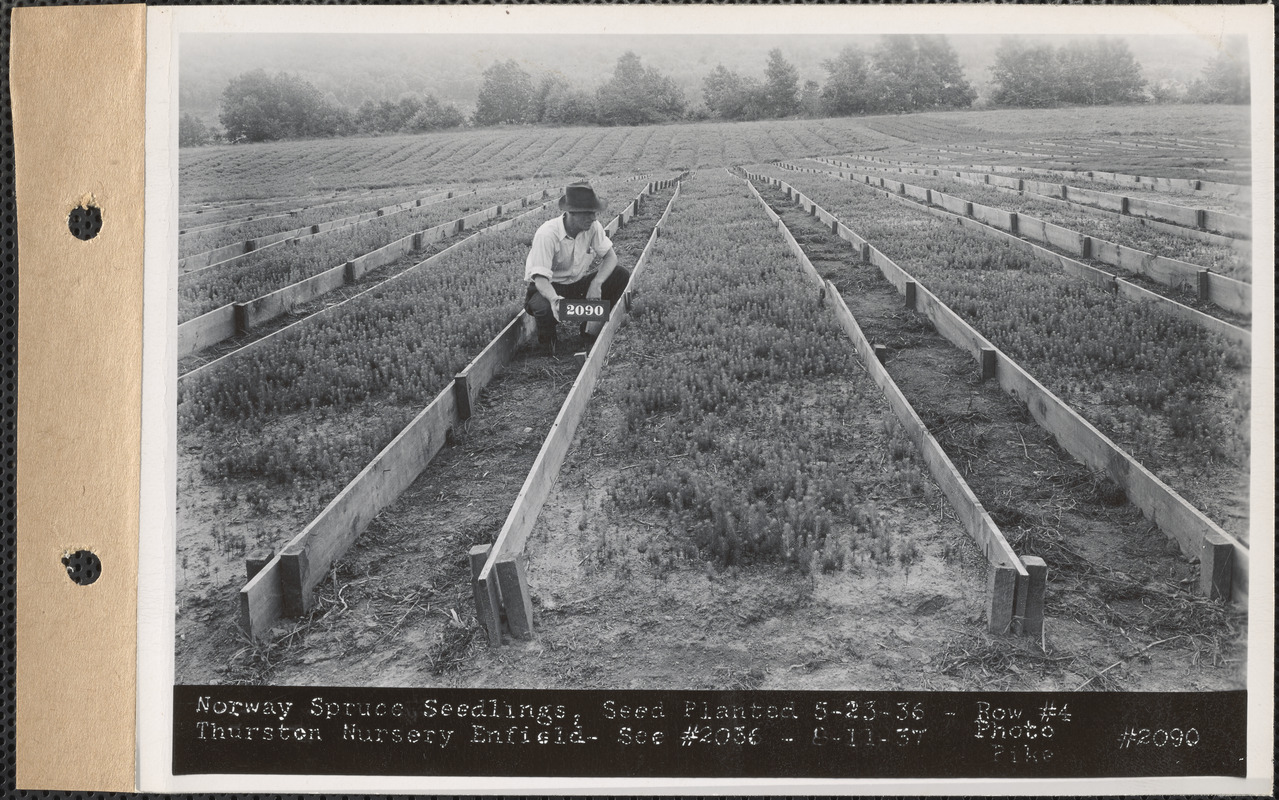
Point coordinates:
[[198, 240], [1096, 367], [1210, 293], [1189, 182], [1225, 198], [400, 575], [1220, 254], [259, 272], [648, 569], [1114, 583], [346, 291]]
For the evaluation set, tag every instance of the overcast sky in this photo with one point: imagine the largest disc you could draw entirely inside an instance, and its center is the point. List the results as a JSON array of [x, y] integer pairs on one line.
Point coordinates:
[[383, 66]]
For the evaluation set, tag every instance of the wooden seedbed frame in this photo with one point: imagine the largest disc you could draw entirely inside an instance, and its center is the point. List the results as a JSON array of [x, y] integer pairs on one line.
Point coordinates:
[[1015, 587], [1199, 220], [225, 255], [1157, 184], [283, 584], [1017, 229], [235, 319], [1223, 558], [328, 200], [967, 149], [501, 226], [1115, 206], [499, 582], [213, 226]]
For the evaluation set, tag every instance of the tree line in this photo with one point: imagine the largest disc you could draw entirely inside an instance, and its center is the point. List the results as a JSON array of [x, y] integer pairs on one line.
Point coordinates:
[[1103, 72], [900, 74]]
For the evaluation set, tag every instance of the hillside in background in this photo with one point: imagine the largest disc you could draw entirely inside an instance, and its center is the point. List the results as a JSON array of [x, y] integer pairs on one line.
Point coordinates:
[[353, 69]]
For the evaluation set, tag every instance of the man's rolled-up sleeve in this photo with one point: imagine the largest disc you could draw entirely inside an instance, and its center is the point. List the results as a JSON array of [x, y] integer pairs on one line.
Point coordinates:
[[602, 243], [541, 256]]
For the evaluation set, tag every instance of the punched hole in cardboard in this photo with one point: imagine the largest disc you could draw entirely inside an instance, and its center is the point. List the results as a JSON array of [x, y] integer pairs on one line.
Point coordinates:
[[85, 221], [83, 567]]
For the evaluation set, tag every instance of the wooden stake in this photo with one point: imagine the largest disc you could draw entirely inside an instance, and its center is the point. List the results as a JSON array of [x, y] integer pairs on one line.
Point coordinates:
[[866, 252], [1002, 596], [293, 569], [988, 363], [478, 555], [1033, 620], [462, 396], [881, 352], [1216, 563], [1205, 288], [488, 604], [911, 288], [255, 561], [514, 585], [239, 312]]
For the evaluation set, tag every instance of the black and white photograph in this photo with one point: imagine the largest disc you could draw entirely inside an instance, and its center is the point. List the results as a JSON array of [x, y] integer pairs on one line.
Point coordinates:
[[742, 385]]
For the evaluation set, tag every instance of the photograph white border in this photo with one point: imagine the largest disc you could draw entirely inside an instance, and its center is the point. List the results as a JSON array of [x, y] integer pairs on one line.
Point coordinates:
[[156, 574]]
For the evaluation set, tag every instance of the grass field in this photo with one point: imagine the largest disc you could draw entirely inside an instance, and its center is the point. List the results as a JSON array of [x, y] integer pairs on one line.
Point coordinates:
[[737, 471]]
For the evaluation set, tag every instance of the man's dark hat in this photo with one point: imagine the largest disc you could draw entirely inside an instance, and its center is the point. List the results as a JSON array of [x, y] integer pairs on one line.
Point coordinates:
[[580, 196]]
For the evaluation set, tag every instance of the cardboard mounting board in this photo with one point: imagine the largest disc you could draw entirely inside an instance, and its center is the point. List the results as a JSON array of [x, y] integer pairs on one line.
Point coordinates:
[[78, 135]]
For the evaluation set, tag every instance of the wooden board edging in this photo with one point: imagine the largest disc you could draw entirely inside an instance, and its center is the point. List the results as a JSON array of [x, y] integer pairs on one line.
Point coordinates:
[[1161, 504], [329, 309], [271, 305], [1225, 292], [1001, 609], [545, 470], [1001, 606], [285, 585], [207, 329], [243, 248]]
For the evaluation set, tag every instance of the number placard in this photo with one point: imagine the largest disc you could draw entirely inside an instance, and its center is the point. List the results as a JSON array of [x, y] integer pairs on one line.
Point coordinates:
[[583, 310]]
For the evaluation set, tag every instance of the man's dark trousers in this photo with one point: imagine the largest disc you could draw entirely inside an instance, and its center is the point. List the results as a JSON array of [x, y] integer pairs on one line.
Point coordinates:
[[540, 309]]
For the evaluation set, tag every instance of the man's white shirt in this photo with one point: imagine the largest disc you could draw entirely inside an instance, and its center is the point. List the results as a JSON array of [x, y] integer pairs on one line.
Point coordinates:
[[564, 258]]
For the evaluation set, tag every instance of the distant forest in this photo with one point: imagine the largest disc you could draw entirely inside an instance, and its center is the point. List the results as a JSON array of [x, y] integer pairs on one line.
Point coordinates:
[[896, 74]]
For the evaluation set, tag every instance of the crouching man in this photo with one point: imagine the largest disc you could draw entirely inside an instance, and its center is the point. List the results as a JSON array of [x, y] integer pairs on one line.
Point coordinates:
[[562, 263]]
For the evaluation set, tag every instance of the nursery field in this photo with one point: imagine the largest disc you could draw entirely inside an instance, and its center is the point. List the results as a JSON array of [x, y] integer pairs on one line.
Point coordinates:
[[769, 469], [233, 174], [1174, 395]]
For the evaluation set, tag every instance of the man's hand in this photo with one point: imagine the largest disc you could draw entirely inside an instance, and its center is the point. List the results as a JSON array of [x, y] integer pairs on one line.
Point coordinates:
[[547, 290], [594, 291]]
